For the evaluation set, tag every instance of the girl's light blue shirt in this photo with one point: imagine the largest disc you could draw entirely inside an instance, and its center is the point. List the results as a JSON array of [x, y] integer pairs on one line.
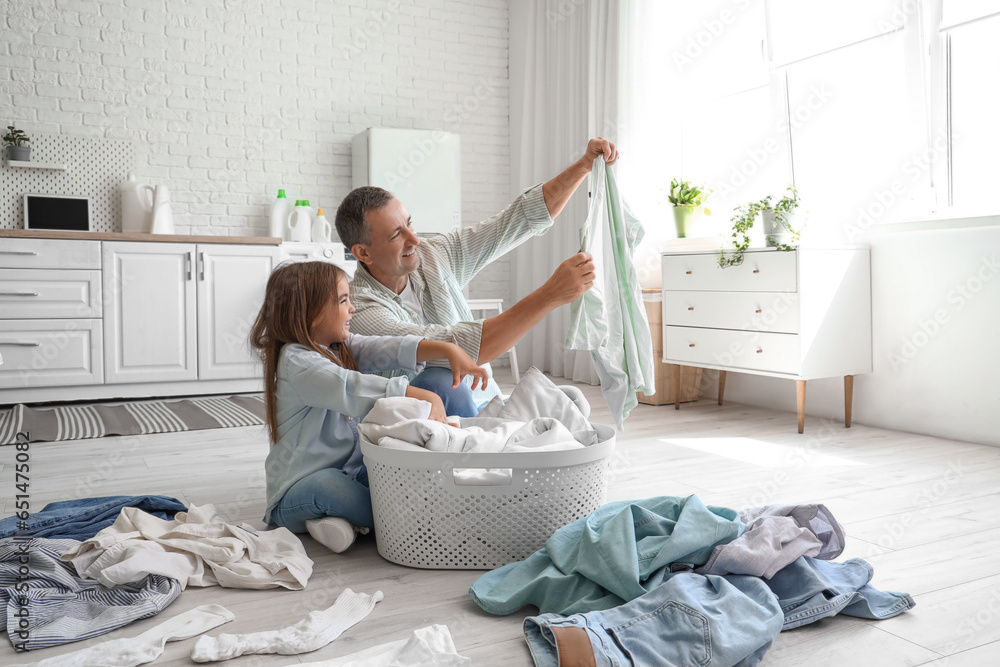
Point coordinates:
[[319, 404]]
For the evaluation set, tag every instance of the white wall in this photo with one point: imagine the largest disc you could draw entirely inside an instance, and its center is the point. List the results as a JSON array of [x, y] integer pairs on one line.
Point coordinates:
[[228, 101], [936, 341]]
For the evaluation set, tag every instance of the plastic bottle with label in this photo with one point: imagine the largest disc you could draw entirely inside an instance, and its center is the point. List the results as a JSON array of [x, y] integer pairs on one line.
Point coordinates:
[[299, 223], [280, 208]]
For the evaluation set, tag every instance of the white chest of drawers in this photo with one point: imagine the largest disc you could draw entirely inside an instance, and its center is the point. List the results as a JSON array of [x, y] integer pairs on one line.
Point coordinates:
[[802, 315]]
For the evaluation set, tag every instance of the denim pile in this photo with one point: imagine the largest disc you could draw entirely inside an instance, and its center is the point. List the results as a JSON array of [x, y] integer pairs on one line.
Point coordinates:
[[671, 581]]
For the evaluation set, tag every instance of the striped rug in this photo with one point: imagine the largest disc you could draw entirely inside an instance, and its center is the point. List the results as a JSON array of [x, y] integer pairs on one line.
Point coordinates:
[[77, 422]]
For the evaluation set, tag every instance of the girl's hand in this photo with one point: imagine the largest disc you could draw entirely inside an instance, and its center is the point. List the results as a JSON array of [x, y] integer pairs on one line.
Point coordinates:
[[437, 405], [462, 364]]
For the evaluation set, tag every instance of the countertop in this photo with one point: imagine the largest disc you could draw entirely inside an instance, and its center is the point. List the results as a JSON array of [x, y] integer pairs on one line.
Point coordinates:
[[155, 238]]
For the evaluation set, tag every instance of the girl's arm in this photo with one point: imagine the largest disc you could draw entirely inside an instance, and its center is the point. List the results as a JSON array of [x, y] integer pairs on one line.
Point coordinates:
[[437, 405], [460, 362]]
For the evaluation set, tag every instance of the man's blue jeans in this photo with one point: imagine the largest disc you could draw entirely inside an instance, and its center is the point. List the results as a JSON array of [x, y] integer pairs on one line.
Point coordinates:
[[457, 402], [689, 620], [327, 492]]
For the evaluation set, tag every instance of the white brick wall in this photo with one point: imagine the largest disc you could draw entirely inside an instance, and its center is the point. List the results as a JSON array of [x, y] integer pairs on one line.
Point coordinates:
[[226, 101]]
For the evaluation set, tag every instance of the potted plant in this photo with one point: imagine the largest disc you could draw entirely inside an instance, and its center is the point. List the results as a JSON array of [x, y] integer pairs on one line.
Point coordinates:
[[778, 230], [687, 199], [14, 140]]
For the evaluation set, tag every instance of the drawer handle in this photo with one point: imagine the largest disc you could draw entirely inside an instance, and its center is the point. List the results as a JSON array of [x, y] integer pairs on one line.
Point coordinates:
[[758, 311], [756, 270], [18, 252], [18, 293], [691, 345], [687, 273], [20, 343], [690, 307], [760, 351]]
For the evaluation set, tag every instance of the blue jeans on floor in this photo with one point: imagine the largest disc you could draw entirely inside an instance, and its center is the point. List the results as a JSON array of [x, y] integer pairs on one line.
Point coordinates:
[[689, 620], [82, 518], [327, 492], [810, 589], [457, 402]]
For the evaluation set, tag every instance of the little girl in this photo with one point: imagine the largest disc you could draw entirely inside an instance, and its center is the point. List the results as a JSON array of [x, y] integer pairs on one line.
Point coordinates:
[[317, 387]]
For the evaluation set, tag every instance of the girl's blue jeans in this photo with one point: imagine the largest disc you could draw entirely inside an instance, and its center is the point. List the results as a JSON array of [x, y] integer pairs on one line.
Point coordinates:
[[327, 492]]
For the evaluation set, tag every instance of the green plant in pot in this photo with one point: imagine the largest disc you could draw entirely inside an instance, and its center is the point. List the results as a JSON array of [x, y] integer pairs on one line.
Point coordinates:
[[687, 200], [15, 141], [776, 218]]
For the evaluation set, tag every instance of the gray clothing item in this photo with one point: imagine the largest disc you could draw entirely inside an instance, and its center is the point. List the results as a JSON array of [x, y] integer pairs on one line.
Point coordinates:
[[776, 536]]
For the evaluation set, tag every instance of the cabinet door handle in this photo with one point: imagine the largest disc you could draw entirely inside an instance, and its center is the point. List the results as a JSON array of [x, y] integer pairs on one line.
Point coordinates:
[[690, 307], [187, 265], [18, 293], [201, 266], [18, 252], [760, 351], [756, 270], [20, 343], [758, 311], [687, 273], [691, 345]]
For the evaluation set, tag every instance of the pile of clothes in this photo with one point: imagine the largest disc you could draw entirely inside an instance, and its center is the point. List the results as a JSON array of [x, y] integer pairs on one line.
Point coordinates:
[[672, 581]]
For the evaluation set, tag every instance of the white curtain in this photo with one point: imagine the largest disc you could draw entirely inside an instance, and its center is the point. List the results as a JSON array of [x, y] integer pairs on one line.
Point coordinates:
[[565, 88]]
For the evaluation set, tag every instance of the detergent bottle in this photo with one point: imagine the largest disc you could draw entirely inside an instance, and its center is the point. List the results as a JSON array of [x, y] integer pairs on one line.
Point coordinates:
[[322, 231], [299, 222], [280, 208]]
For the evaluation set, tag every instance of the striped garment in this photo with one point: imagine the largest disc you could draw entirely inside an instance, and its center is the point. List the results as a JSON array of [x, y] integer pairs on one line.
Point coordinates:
[[60, 606], [448, 262]]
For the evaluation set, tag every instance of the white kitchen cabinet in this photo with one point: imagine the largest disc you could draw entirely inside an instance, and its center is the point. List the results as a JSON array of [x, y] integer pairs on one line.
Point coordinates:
[[92, 315], [803, 315], [182, 311], [231, 282], [150, 312]]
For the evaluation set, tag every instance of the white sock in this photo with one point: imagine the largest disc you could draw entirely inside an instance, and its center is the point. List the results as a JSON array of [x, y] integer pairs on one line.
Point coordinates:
[[313, 632], [333, 532], [146, 647]]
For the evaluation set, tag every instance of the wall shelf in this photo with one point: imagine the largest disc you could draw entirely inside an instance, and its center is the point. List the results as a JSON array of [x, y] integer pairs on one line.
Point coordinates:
[[36, 165]]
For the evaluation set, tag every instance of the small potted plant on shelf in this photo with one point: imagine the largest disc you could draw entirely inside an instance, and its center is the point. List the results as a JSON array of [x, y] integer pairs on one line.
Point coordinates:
[[687, 200], [15, 141], [778, 230]]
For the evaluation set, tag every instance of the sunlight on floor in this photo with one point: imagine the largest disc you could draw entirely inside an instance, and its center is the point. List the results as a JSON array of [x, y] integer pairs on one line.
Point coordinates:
[[767, 454]]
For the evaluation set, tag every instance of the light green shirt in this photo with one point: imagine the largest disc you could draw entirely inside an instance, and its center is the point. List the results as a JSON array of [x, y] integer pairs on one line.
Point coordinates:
[[448, 262]]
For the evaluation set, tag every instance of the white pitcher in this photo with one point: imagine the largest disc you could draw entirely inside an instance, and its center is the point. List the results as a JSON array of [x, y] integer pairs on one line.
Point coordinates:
[[163, 217], [137, 206]]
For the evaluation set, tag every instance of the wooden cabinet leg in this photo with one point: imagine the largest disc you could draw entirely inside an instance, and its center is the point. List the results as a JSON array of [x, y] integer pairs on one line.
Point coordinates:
[[800, 398], [722, 385], [848, 399], [677, 387]]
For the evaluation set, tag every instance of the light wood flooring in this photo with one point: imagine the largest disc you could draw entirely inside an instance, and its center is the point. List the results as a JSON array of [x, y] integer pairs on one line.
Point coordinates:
[[924, 511]]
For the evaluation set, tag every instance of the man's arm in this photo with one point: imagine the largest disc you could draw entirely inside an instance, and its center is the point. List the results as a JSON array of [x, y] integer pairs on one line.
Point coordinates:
[[570, 280], [558, 190]]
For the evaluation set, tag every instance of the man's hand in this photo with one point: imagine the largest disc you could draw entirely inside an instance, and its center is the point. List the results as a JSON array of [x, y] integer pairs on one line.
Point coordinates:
[[599, 146], [573, 277]]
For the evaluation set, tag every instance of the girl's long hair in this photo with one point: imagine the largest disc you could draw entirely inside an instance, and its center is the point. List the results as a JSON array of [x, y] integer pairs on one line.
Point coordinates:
[[296, 294]]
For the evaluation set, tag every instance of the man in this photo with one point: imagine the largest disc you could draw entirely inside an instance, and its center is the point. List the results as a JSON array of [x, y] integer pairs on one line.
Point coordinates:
[[408, 285]]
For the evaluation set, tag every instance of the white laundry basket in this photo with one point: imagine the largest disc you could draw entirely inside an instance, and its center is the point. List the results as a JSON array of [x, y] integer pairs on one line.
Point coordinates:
[[425, 517]]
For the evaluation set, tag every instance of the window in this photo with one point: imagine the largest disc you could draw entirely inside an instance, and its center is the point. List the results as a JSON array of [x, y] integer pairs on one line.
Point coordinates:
[[882, 110]]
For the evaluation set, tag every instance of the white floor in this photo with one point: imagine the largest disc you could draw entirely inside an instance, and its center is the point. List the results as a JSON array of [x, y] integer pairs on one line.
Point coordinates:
[[925, 512]]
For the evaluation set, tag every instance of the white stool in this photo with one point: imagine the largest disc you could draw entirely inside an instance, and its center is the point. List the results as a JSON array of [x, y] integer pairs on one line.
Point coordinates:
[[497, 305]]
